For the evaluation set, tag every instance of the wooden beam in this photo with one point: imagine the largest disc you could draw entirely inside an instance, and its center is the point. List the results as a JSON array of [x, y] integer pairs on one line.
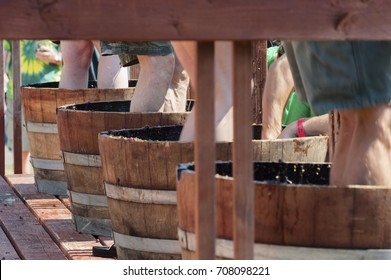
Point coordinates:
[[205, 150], [197, 19], [243, 215], [259, 63]]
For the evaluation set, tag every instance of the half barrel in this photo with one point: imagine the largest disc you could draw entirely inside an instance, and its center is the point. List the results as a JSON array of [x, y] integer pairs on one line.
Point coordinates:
[[298, 215], [39, 105]]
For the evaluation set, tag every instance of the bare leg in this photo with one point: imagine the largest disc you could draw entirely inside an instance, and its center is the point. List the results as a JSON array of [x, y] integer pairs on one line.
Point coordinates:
[[153, 82], [362, 152], [175, 100], [223, 91], [111, 74], [76, 57], [223, 94], [26, 166], [278, 86], [186, 52]]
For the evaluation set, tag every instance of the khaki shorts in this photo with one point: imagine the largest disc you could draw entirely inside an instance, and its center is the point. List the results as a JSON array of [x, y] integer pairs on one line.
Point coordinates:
[[128, 50]]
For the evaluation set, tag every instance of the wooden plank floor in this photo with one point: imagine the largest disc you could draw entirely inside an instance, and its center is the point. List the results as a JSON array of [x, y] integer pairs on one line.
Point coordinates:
[[36, 226]]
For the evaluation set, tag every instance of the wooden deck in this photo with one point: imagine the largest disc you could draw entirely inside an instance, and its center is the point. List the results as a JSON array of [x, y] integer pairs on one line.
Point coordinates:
[[36, 226]]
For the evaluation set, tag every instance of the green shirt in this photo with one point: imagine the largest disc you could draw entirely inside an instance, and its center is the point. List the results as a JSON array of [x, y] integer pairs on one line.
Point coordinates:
[[33, 70], [294, 108]]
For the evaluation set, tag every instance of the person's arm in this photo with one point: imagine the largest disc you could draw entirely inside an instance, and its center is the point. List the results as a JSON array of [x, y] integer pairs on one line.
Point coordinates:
[[314, 126], [48, 54]]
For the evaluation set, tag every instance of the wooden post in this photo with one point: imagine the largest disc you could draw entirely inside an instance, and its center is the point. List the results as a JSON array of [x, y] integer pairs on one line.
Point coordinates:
[[205, 152], [2, 153], [334, 124], [242, 153], [134, 71], [259, 50], [17, 118]]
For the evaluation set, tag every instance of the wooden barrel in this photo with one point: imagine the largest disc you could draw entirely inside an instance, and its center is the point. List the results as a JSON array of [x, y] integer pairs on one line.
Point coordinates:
[[139, 167], [297, 214], [39, 105], [78, 128]]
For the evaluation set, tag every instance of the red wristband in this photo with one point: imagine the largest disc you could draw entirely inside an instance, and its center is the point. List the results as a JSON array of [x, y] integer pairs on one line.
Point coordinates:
[[300, 128]]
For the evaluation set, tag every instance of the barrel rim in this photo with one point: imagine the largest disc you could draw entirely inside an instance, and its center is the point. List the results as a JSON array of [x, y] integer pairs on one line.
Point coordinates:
[[72, 107], [189, 168], [92, 84], [108, 134]]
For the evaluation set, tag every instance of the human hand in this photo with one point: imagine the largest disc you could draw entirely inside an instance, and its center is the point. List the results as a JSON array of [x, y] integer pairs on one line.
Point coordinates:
[[48, 54], [290, 131], [313, 126]]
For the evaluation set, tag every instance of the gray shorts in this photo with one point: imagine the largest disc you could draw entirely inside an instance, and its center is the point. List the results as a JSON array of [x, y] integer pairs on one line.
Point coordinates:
[[341, 75], [128, 50]]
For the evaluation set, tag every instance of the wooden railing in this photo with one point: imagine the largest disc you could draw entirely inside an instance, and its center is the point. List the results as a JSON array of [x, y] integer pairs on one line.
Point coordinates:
[[205, 21], [17, 115]]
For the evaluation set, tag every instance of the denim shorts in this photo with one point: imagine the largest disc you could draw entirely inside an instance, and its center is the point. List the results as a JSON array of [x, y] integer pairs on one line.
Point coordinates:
[[338, 75], [128, 50]]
